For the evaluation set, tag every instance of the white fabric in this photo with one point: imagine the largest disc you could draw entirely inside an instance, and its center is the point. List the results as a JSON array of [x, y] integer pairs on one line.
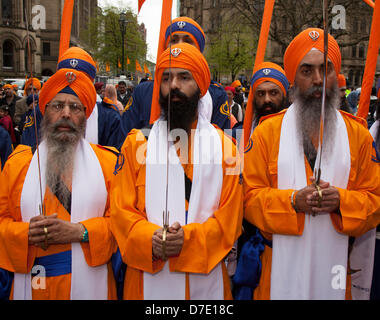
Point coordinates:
[[92, 126], [87, 202], [205, 106], [303, 266], [204, 200], [363, 255]]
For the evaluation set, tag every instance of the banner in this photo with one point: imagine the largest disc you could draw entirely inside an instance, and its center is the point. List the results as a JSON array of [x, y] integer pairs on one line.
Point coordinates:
[[66, 22]]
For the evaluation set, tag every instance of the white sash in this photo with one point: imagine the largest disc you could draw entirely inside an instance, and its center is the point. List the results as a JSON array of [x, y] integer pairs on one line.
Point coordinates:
[[92, 126], [304, 267], [363, 255], [204, 200], [89, 196], [205, 106]]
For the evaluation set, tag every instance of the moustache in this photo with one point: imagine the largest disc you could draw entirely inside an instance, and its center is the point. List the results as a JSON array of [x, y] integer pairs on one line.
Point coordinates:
[[65, 123]]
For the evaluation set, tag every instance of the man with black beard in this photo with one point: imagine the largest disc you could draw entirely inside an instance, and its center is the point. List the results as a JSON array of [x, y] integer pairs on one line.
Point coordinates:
[[307, 233], [67, 238], [204, 193]]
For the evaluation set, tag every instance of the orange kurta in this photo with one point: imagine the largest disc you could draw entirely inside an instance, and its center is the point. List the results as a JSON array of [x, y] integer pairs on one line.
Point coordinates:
[[205, 245], [15, 253], [270, 209]]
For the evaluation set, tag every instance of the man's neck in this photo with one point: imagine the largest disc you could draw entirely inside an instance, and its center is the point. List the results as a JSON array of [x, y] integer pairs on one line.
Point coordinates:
[[9, 99]]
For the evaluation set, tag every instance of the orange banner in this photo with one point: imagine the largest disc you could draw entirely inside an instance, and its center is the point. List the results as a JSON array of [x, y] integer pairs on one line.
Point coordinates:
[[108, 68], [128, 61], [66, 22], [370, 3], [146, 70], [260, 54], [118, 63], [141, 2], [138, 67], [370, 65]]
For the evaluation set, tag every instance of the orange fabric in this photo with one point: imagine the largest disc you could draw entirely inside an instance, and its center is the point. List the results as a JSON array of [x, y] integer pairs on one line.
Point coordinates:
[[213, 238], [165, 22], [370, 66], [370, 3], [138, 67], [191, 21], [82, 86], [249, 112], [66, 22], [35, 82], [141, 2], [15, 253], [302, 44], [270, 209], [189, 58], [341, 81], [264, 33], [236, 83], [7, 86]]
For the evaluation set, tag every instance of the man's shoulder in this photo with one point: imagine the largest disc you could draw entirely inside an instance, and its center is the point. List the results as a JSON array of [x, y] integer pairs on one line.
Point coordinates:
[[356, 121], [105, 151], [273, 118], [20, 156], [216, 88]]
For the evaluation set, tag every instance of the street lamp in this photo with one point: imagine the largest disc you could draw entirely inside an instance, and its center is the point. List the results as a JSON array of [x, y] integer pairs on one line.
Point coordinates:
[[123, 27]]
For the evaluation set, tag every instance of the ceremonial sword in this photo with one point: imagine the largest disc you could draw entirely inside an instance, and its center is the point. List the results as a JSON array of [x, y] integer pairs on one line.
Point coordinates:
[[165, 214], [41, 205], [318, 162]]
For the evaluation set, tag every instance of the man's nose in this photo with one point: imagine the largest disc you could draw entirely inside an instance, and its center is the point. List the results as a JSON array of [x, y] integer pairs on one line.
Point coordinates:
[[318, 77]]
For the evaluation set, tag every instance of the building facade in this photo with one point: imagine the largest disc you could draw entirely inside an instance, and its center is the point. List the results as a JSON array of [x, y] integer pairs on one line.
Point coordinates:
[[34, 42], [211, 14]]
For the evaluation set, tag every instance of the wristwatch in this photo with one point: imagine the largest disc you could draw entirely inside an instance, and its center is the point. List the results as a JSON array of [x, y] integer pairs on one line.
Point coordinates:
[[85, 235]]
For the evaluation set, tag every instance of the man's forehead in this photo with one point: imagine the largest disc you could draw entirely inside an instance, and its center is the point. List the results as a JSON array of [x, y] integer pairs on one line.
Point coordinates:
[[314, 58], [267, 85], [66, 97], [175, 71]]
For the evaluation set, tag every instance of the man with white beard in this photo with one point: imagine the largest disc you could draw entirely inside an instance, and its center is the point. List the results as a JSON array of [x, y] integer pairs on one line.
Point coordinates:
[[307, 256], [69, 244]]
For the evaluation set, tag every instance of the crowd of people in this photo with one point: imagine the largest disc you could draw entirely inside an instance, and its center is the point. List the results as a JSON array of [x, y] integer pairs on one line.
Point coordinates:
[[115, 192]]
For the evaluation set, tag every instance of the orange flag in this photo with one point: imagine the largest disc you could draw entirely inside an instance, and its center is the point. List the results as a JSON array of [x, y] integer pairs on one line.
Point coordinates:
[[118, 63], [370, 65], [146, 70], [67, 18], [108, 68], [260, 54], [370, 3], [141, 2], [128, 61], [138, 67], [165, 22]]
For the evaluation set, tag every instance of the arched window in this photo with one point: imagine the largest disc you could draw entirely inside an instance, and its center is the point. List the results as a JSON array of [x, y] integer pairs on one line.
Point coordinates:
[[361, 51], [358, 76], [6, 9], [354, 51], [8, 54]]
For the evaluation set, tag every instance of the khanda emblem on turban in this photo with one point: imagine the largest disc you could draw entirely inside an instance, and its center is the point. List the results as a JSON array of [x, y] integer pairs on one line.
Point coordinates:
[[175, 52], [181, 24], [70, 77], [266, 71], [314, 35], [74, 63]]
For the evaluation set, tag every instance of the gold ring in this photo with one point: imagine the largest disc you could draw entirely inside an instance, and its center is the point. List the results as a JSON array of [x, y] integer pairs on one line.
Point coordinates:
[[164, 244], [46, 231]]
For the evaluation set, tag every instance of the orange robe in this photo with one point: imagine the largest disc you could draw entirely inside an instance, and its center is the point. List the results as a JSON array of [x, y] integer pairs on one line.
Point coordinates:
[[270, 209], [205, 245], [15, 253]]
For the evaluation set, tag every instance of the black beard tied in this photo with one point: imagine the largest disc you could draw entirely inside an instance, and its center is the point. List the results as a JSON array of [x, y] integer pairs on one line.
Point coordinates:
[[183, 112], [260, 111]]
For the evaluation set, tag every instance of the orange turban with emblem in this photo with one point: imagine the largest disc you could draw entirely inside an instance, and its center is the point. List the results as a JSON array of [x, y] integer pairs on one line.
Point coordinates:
[[32, 81], [302, 44], [183, 56], [69, 80]]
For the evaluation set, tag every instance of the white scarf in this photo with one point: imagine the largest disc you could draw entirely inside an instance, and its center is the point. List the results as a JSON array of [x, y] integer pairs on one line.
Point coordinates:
[[205, 106], [363, 255], [92, 126], [303, 266], [89, 196], [204, 200]]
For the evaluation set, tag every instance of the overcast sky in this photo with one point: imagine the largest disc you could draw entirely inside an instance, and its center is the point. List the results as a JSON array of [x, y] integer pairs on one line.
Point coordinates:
[[150, 15]]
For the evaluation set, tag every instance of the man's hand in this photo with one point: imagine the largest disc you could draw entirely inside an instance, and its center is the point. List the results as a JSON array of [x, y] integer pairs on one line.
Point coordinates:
[[308, 197], [59, 231], [174, 242]]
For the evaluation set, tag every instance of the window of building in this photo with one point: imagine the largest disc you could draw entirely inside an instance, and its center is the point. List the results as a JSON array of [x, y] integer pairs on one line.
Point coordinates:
[[361, 51], [6, 9], [46, 48], [8, 54], [353, 52], [363, 26]]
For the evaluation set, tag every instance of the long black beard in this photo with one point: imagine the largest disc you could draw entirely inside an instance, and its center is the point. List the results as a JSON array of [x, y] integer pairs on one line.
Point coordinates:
[[261, 112], [183, 112], [308, 118]]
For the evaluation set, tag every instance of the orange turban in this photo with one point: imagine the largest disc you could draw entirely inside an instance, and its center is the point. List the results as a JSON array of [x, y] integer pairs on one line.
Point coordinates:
[[35, 82], [76, 81], [78, 59], [302, 44], [236, 83], [7, 86], [184, 56], [341, 81]]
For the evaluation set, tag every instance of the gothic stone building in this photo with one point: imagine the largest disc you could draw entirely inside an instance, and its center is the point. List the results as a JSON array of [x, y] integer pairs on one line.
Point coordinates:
[[44, 21]]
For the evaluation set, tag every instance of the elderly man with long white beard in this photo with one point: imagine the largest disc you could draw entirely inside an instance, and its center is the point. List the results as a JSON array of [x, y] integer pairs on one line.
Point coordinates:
[[67, 241], [310, 236]]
